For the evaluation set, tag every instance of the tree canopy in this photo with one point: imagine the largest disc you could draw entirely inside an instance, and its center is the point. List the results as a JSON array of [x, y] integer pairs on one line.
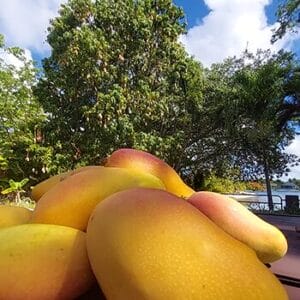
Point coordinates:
[[242, 99], [290, 107], [118, 77], [288, 16]]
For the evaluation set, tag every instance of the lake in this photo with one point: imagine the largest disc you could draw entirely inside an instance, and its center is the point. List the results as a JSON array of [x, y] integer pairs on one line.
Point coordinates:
[[259, 200]]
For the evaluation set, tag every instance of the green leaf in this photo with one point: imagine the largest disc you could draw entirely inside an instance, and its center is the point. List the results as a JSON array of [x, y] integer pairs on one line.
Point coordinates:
[[23, 182], [8, 190]]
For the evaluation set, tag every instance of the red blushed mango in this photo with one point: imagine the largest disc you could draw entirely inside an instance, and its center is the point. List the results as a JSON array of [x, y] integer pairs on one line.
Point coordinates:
[[149, 244], [266, 240], [41, 188], [43, 262], [71, 202], [146, 162]]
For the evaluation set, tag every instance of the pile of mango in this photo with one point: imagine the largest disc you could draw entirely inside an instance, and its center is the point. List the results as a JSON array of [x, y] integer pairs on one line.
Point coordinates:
[[137, 231]]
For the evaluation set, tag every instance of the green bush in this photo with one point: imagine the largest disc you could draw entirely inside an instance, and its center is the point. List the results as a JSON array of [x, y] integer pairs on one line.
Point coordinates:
[[223, 185]]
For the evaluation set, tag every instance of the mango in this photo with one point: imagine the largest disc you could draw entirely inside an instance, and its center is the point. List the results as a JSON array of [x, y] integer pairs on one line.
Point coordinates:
[[71, 202], [140, 160], [43, 262], [13, 215], [148, 244], [41, 188], [266, 240]]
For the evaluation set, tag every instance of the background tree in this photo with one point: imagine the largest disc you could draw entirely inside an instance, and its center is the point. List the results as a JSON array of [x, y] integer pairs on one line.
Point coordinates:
[[288, 16], [242, 99], [289, 111], [21, 117], [117, 77]]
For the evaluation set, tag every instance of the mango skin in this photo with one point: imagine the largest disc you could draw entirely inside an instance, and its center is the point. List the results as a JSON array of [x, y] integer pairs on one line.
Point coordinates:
[[13, 215], [266, 240], [43, 187], [43, 262], [71, 202], [148, 244], [140, 160]]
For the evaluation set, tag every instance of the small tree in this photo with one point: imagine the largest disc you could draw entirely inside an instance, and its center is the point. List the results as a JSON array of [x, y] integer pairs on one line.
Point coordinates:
[[21, 118], [15, 188]]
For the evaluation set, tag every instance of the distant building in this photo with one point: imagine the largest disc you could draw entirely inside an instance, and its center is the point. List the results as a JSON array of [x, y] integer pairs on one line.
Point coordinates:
[[288, 186]]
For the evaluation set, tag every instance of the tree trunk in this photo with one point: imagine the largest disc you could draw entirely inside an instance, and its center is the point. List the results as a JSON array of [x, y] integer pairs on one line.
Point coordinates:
[[268, 184]]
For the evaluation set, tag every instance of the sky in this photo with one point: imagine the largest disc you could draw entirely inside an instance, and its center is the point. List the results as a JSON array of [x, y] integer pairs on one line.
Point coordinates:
[[216, 29]]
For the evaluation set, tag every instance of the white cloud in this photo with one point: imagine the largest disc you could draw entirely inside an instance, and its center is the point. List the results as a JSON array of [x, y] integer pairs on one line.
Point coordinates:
[[12, 60], [24, 23], [230, 28]]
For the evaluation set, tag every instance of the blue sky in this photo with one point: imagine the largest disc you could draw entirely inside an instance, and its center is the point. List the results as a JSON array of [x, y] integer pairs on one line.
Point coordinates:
[[216, 29], [195, 10], [221, 28]]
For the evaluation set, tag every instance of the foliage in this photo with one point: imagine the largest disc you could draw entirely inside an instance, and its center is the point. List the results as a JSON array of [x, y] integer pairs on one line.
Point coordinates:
[[289, 111], [223, 185], [242, 100], [21, 155], [254, 186], [228, 186], [117, 77], [296, 181], [242, 104], [288, 16], [16, 188]]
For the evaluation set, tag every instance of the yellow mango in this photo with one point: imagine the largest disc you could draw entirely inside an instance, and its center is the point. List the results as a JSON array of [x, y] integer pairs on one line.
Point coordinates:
[[266, 240], [43, 262], [71, 202], [13, 215], [148, 244], [41, 188], [140, 160]]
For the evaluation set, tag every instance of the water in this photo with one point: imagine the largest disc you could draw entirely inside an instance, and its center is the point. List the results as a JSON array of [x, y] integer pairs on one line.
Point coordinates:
[[259, 200]]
